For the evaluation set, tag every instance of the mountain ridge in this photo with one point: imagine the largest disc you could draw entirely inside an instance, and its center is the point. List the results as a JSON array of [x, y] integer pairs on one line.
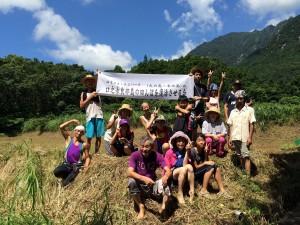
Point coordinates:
[[235, 47]]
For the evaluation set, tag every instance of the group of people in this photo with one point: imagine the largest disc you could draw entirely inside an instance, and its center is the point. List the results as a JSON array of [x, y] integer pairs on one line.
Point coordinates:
[[181, 151]]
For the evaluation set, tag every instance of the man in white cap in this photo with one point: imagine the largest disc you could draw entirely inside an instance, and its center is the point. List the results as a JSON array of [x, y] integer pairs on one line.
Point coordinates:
[[76, 151], [241, 122]]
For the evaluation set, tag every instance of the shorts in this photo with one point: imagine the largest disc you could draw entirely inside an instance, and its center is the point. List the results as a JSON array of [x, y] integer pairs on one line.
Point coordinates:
[[95, 126], [120, 148], [242, 149], [199, 173], [156, 190]]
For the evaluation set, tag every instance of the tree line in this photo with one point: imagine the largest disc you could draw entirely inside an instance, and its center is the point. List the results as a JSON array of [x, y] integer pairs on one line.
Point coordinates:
[[32, 88]]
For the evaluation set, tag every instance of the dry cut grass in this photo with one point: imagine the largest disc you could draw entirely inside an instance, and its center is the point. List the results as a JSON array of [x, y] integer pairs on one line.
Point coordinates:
[[102, 190]]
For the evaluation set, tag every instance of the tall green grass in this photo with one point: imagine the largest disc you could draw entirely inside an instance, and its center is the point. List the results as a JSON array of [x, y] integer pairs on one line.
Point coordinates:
[[28, 192], [30, 180], [266, 114], [51, 124], [277, 114]]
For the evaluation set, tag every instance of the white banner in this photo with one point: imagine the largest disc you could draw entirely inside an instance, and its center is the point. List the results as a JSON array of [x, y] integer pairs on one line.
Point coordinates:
[[146, 86]]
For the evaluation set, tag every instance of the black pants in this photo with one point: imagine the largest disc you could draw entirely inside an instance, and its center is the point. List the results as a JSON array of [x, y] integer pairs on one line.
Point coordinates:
[[67, 172]]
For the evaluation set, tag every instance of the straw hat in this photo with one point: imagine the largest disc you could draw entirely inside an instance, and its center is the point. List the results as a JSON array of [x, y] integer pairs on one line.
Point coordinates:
[[88, 77], [197, 69], [212, 109], [177, 135], [125, 106]]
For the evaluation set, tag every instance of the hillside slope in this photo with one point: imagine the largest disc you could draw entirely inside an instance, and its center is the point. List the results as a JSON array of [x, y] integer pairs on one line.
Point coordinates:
[[235, 47], [101, 191]]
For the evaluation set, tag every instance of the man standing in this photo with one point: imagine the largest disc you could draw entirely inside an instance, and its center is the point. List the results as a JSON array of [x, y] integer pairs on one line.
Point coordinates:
[[229, 99], [201, 96], [143, 180], [241, 122]]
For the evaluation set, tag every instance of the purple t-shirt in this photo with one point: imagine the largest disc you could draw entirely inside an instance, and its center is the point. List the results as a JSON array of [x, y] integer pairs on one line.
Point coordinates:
[[146, 166]]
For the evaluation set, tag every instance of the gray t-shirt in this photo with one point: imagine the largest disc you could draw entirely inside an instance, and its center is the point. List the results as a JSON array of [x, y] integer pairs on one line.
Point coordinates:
[[198, 157]]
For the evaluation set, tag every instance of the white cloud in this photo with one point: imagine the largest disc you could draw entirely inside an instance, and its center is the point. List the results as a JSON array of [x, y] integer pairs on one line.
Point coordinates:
[[31, 5], [53, 27], [187, 46], [274, 21], [98, 56], [167, 16], [201, 18], [70, 44], [273, 7]]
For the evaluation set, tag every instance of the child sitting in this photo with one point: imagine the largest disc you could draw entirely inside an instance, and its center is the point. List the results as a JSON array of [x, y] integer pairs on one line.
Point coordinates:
[[162, 133], [122, 141], [205, 168], [215, 131]]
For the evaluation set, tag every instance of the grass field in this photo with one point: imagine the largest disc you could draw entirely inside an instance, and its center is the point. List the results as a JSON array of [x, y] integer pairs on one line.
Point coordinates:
[[99, 195]]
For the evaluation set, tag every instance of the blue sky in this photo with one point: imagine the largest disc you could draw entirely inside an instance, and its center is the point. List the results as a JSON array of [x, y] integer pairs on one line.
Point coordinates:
[[99, 34]]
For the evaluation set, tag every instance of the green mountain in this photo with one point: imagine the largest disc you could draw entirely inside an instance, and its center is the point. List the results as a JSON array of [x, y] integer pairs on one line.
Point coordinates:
[[234, 47], [271, 57]]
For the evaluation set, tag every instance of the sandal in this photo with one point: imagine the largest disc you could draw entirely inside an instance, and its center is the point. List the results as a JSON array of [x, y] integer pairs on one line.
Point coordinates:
[[224, 194], [205, 195]]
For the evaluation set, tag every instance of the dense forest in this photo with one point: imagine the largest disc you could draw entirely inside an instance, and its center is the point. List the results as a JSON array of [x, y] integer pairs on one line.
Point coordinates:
[[31, 88], [271, 57]]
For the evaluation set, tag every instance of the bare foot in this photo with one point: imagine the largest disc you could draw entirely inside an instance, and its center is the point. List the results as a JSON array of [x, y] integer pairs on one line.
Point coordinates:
[[180, 199], [141, 213]]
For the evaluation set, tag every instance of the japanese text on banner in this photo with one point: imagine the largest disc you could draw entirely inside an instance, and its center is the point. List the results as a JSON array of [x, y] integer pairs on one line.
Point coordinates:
[[146, 86]]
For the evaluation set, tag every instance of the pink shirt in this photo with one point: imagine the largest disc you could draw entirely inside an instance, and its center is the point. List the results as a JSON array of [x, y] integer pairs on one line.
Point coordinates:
[[170, 158]]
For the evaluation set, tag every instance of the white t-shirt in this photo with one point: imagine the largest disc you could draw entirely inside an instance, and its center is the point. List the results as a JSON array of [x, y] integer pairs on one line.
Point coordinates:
[[93, 109], [111, 131]]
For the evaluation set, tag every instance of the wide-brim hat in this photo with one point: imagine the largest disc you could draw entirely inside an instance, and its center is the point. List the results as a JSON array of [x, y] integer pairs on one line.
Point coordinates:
[[197, 69], [125, 106], [177, 135], [212, 109], [88, 77]]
